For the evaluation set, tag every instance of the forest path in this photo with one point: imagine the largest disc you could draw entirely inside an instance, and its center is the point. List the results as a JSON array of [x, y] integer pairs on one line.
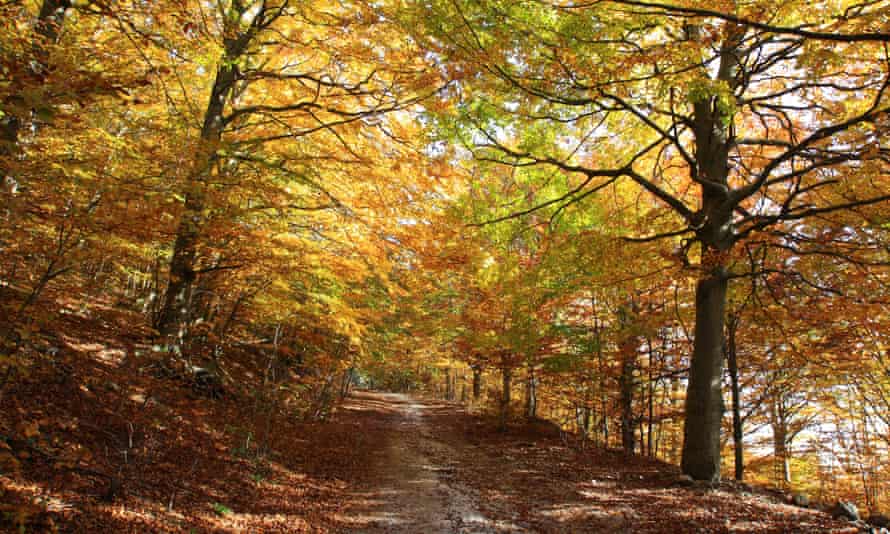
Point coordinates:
[[429, 466], [412, 485]]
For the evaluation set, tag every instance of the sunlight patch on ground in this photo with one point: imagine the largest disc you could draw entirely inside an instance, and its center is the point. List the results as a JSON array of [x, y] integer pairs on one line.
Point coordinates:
[[101, 352], [577, 511]]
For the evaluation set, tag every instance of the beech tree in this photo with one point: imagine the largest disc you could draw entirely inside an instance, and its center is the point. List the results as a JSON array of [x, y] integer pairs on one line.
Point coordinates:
[[290, 87], [739, 120]]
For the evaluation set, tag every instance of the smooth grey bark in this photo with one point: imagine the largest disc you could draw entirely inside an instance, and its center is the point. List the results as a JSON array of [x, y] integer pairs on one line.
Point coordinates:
[[582, 417], [704, 395], [675, 441]]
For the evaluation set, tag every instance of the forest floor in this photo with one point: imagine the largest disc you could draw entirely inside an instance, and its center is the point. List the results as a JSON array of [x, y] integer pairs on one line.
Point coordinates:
[[92, 441]]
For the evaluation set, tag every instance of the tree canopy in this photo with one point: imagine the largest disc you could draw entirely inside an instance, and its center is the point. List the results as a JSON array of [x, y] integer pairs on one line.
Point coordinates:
[[666, 223]]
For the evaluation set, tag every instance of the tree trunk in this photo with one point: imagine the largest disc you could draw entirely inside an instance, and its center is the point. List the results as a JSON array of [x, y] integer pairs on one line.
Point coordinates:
[[779, 424], [651, 400], [449, 385], [627, 315], [704, 397], [713, 142], [505, 397], [174, 311], [453, 384], [737, 435], [531, 395], [585, 422], [477, 383], [182, 275], [346, 385], [626, 385], [675, 425]]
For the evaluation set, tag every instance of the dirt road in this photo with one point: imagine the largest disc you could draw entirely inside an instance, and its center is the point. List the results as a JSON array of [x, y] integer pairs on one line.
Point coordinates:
[[430, 467], [413, 485]]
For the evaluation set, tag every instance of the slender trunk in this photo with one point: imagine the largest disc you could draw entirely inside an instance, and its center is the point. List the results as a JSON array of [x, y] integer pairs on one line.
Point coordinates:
[[675, 427], [531, 396], [347, 382], [507, 375], [779, 423], [651, 401], [732, 362], [627, 351], [604, 425], [626, 386], [585, 421], [477, 383]]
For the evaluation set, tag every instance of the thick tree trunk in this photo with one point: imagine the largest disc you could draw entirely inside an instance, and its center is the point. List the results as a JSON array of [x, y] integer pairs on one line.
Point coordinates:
[[182, 275], [737, 435], [713, 143], [704, 397], [183, 262]]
